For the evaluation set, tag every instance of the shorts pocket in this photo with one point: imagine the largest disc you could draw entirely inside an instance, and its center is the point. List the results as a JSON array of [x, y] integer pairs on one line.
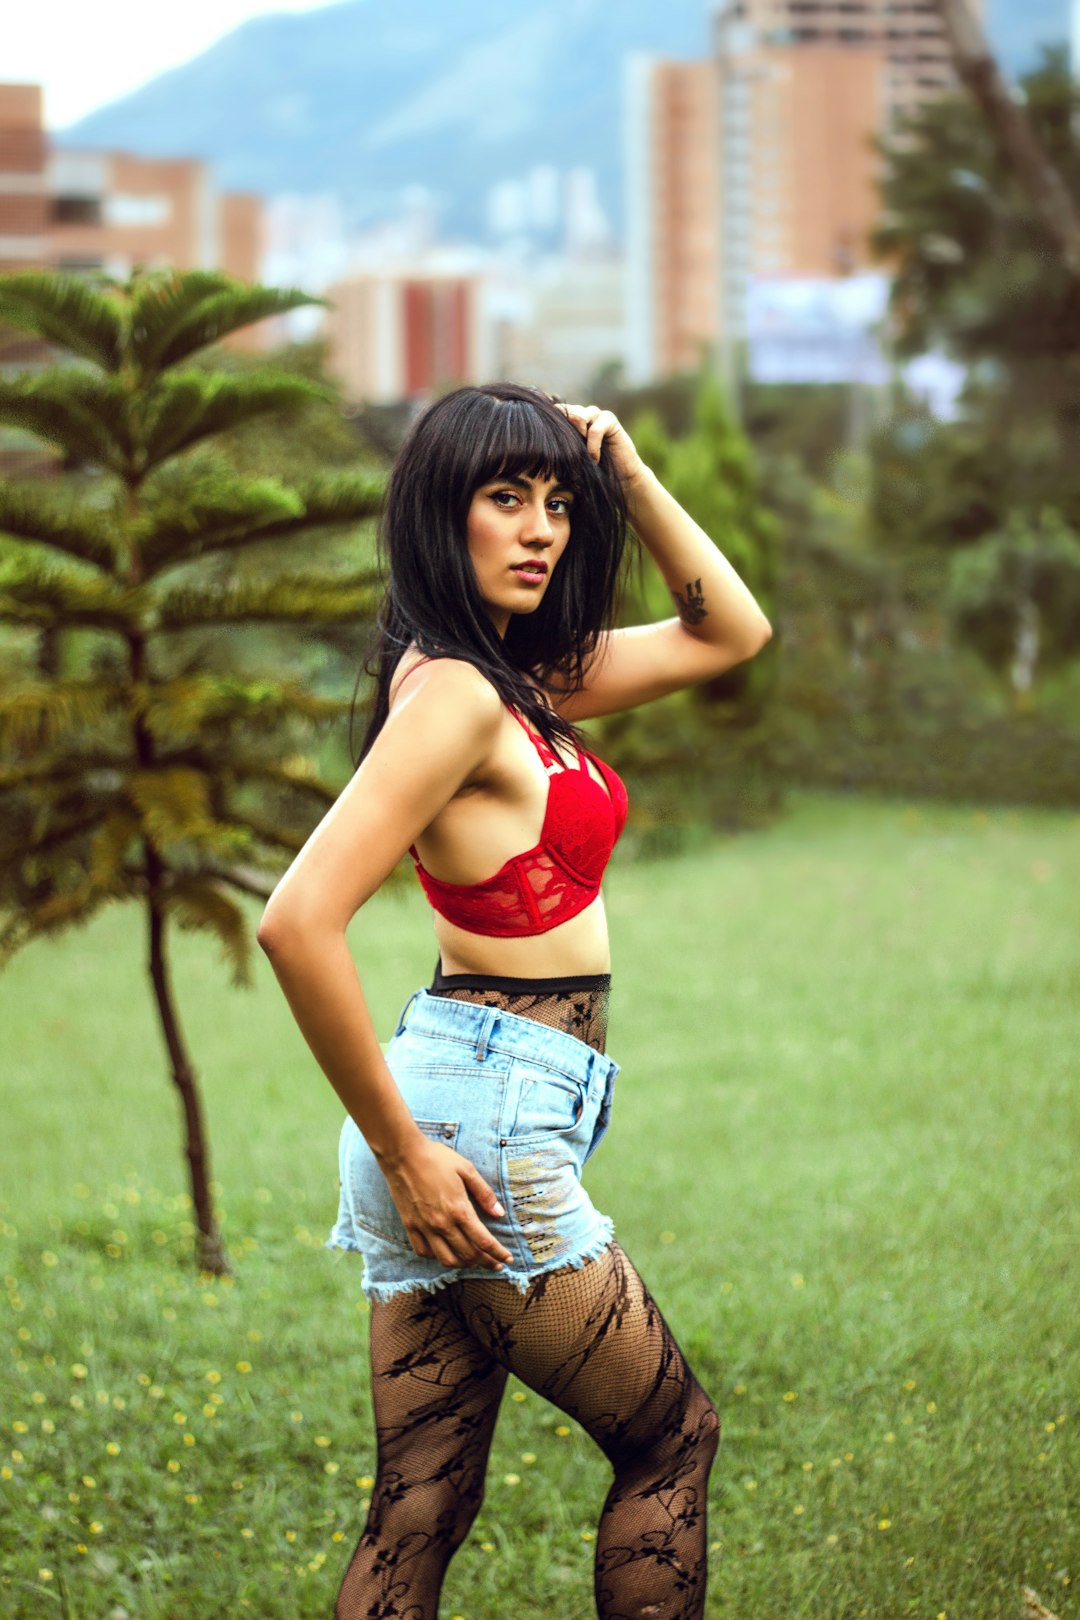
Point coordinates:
[[364, 1189], [550, 1105]]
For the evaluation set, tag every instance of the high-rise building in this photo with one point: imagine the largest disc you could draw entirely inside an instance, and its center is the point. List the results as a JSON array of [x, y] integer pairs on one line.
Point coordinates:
[[908, 33], [761, 162], [673, 214]]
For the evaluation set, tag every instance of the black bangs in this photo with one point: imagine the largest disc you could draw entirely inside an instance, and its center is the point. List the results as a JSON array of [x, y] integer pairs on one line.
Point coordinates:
[[522, 435]]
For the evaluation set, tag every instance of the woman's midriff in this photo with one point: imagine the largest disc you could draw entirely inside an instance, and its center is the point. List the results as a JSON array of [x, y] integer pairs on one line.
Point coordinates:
[[575, 948]]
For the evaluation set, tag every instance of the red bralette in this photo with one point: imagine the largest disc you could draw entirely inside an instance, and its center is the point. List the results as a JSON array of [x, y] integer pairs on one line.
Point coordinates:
[[550, 883]]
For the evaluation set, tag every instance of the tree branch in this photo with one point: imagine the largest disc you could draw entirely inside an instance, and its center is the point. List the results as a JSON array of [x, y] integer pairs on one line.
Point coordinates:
[[1012, 130]]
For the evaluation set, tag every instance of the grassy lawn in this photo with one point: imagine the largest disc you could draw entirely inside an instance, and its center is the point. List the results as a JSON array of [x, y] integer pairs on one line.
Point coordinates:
[[846, 1157]]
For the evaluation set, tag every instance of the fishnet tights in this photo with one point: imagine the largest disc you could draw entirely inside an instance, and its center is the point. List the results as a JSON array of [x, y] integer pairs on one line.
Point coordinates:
[[593, 1342], [578, 1007]]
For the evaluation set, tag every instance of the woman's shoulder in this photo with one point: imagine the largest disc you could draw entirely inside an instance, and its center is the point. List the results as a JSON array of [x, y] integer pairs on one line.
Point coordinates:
[[439, 683]]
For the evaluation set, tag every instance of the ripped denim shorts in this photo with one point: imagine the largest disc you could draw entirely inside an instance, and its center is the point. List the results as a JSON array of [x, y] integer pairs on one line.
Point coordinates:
[[525, 1103]]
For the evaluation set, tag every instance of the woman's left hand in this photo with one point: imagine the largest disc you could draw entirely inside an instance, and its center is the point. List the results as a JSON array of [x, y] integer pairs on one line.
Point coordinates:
[[596, 425]]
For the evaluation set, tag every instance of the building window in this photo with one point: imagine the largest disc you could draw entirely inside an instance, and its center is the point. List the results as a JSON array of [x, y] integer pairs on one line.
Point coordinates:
[[76, 210], [122, 209], [79, 264]]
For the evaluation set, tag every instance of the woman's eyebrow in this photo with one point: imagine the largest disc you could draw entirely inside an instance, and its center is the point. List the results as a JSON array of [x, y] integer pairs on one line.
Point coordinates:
[[519, 481]]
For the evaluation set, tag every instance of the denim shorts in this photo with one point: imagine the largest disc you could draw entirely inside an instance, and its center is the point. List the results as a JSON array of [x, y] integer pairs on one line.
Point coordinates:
[[525, 1103]]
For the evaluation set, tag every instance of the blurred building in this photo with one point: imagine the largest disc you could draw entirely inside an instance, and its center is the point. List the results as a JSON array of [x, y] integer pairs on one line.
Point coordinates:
[[673, 214], [760, 162], [24, 203], [69, 209], [401, 333], [558, 324]]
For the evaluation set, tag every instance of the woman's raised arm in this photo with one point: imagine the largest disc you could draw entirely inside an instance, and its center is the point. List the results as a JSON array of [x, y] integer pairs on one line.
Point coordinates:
[[719, 622], [435, 738]]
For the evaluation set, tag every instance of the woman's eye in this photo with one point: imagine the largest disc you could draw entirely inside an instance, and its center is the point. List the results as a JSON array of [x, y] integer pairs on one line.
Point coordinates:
[[562, 502], [502, 495]]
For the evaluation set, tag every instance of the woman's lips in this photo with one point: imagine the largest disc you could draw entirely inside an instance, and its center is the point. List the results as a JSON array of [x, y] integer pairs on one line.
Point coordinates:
[[534, 573]]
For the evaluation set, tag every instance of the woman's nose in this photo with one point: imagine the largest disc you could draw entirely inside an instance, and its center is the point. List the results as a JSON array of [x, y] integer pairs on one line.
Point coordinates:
[[538, 525]]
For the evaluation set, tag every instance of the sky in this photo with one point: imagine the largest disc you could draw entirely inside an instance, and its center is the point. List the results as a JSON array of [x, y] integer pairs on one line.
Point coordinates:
[[85, 55]]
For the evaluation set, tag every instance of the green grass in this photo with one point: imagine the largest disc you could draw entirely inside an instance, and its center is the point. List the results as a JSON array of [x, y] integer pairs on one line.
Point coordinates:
[[845, 1157]]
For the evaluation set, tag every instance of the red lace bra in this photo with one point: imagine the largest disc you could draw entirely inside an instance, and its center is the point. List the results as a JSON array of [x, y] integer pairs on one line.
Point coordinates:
[[550, 883]]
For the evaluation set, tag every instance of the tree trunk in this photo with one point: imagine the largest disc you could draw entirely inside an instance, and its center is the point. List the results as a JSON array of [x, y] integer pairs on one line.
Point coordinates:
[[210, 1245], [1011, 129], [1026, 649]]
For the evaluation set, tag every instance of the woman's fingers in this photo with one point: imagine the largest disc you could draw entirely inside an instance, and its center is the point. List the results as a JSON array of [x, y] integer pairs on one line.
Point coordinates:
[[445, 1254], [460, 1246], [595, 424], [478, 1189], [438, 1197], [490, 1249]]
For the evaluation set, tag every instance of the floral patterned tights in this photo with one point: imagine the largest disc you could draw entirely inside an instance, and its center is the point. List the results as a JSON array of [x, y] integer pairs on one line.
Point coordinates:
[[591, 1341]]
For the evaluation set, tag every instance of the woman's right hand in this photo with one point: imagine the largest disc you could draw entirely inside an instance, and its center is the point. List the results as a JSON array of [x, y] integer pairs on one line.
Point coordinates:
[[435, 1189]]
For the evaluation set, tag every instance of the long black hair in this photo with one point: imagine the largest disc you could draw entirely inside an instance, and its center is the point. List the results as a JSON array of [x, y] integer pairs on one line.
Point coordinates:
[[463, 441]]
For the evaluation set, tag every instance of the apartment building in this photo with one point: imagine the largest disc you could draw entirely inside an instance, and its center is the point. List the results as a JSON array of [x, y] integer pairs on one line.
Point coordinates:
[[760, 162], [24, 202], [67, 208]]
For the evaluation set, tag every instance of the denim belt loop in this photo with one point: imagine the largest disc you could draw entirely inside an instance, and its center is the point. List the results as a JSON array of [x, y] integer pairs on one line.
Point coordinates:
[[405, 1011], [486, 1032]]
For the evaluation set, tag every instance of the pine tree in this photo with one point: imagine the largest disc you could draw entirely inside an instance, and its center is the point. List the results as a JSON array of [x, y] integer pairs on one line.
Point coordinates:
[[147, 751]]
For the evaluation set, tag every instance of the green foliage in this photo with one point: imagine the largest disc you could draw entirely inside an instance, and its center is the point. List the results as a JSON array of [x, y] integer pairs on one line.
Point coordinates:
[[85, 415], [66, 311], [47, 519], [148, 751], [975, 267], [877, 689], [129, 753], [959, 509], [1016, 597], [712, 474], [193, 405]]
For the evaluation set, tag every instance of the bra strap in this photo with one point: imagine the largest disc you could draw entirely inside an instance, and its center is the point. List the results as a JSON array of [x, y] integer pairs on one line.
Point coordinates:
[[548, 757], [423, 659]]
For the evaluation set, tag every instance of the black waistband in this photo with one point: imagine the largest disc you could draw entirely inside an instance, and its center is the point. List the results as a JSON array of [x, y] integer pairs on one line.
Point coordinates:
[[519, 987]]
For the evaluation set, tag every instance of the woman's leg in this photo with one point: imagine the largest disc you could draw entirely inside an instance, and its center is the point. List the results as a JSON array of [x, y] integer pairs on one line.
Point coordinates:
[[436, 1393], [593, 1342]]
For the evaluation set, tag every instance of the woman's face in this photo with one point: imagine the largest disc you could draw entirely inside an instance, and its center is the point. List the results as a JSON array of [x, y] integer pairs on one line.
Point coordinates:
[[516, 531]]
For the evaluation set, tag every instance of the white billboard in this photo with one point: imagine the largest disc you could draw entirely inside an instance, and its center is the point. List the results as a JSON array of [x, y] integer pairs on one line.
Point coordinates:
[[813, 330]]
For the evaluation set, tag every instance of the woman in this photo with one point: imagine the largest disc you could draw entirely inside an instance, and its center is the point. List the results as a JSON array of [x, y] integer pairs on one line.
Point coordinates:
[[462, 1152]]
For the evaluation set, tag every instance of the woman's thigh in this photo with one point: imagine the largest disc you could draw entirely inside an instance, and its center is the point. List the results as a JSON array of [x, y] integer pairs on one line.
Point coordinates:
[[593, 1341]]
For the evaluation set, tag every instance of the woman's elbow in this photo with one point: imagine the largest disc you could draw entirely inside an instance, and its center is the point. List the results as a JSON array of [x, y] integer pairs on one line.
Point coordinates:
[[750, 642], [269, 932], [281, 928], [306, 916]]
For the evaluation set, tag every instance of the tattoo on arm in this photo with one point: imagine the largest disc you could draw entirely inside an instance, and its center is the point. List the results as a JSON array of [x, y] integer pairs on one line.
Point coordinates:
[[692, 607]]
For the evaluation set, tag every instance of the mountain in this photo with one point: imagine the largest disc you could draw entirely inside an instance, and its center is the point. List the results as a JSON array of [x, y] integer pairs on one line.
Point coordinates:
[[366, 97]]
